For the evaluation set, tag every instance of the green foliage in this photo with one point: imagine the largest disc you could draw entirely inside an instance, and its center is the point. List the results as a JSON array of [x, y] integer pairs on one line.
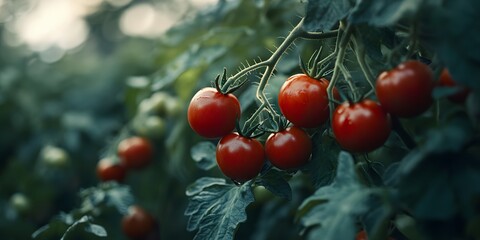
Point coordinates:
[[204, 154], [332, 210], [216, 208]]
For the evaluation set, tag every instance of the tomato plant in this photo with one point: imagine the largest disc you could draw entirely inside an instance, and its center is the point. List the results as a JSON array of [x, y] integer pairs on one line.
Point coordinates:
[[213, 114], [303, 100], [289, 148], [406, 90], [138, 223], [135, 152], [373, 143], [240, 158], [362, 126]]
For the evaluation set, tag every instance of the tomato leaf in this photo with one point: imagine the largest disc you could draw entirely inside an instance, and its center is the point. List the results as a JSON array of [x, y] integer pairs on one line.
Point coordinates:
[[322, 164], [324, 15], [107, 194], [430, 177], [88, 226], [383, 13], [275, 182], [203, 154], [216, 207], [330, 213], [455, 48]]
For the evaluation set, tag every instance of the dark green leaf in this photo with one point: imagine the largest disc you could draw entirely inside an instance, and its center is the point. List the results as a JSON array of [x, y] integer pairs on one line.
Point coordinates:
[[96, 230], [442, 92], [324, 15], [330, 213], [216, 208], [86, 222], [203, 154], [455, 42], [383, 13], [275, 182], [108, 194], [322, 165]]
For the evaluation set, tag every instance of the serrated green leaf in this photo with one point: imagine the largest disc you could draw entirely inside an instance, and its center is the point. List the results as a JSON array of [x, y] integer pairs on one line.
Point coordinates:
[[324, 15], [334, 208], [203, 154], [216, 208], [382, 13], [275, 182]]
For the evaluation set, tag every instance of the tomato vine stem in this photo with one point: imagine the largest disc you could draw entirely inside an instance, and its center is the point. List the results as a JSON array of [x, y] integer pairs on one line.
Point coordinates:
[[340, 48], [271, 63]]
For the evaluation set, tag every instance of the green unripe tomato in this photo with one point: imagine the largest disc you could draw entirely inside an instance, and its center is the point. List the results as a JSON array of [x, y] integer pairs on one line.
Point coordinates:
[[20, 202], [149, 126], [54, 156]]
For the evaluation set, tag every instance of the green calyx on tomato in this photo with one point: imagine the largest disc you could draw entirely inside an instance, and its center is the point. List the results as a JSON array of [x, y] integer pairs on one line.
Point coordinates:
[[362, 126], [289, 148], [406, 90], [303, 100], [240, 158]]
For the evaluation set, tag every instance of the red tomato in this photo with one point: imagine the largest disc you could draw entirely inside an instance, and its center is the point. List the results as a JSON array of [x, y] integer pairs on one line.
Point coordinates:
[[135, 152], [406, 91], [212, 114], [446, 80], [362, 126], [108, 170], [138, 223], [240, 158], [288, 149], [303, 100], [362, 235]]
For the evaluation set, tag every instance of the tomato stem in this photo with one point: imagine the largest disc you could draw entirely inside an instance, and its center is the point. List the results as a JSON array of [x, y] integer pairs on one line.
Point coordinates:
[[402, 133], [340, 48], [360, 55]]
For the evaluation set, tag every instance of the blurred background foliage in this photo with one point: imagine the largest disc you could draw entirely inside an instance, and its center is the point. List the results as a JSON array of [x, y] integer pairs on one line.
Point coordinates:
[[73, 75]]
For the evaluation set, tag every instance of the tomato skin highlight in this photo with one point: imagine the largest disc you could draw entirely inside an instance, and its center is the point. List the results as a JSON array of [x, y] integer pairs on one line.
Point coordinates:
[[446, 80], [406, 90], [362, 126], [107, 170], [135, 152], [138, 223], [303, 100], [240, 158], [212, 114], [288, 149]]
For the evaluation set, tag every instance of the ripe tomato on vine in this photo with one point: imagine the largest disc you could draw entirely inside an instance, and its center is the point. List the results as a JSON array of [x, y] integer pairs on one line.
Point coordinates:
[[289, 148], [303, 100], [406, 90], [362, 126], [135, 152], [213, 114], [240, 158]]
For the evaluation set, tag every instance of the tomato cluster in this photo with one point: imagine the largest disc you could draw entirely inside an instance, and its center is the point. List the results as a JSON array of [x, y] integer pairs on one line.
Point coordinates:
[[213, 114], [133, 153], [404, 91]]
